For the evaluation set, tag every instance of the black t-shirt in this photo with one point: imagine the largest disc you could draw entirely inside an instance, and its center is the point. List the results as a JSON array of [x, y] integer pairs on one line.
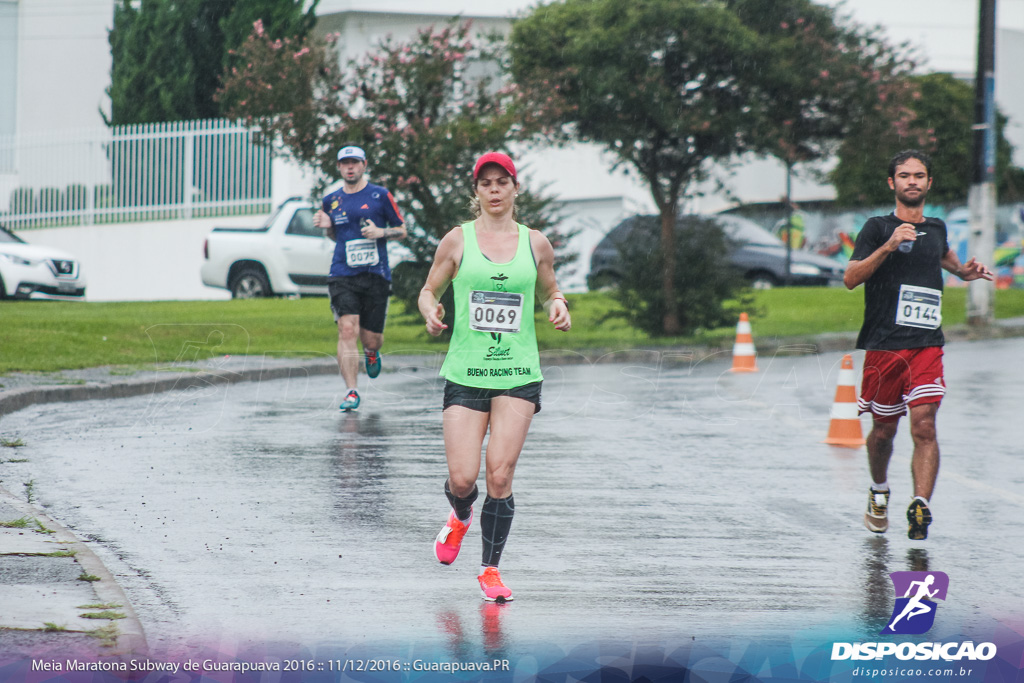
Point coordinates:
[[901, 298]]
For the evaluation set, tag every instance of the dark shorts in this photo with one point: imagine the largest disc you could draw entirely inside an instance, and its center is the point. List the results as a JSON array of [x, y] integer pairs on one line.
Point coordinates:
[[894, 380], [365, 295], [479, 399]]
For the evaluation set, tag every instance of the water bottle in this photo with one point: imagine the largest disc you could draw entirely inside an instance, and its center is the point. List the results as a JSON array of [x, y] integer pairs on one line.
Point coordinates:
[[906, 246]]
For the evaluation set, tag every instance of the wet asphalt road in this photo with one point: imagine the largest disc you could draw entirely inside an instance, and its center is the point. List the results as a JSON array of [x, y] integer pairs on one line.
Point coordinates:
[[664, 500]]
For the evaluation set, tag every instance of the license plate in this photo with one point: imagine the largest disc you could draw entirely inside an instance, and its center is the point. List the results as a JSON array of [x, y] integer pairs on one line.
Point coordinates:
[[66, 287]]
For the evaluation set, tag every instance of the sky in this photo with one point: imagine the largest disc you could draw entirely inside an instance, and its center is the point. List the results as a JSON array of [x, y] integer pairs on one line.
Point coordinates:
[[945, 30]]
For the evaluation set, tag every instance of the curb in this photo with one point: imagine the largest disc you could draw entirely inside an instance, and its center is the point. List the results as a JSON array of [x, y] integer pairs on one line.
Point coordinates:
[[13, 400], [131, 640]]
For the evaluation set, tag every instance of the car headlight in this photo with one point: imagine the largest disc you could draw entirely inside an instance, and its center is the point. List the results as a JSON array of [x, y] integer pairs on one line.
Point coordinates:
[[804, 269], [18, 260]]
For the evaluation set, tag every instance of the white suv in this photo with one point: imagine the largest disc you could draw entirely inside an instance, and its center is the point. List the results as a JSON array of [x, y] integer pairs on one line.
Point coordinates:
[[32, 272]]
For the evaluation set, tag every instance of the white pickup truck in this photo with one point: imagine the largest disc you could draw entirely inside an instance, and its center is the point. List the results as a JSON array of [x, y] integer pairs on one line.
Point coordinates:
[[287, 256]]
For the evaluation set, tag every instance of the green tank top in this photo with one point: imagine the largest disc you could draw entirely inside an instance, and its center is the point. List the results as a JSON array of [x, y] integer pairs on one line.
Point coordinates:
[[494, 343]]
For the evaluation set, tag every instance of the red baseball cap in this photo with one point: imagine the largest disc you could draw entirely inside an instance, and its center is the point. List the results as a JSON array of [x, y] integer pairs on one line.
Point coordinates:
[[498, 158]]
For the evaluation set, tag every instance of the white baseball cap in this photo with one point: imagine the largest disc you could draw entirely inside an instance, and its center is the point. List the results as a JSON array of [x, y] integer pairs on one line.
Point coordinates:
[[351, 152]]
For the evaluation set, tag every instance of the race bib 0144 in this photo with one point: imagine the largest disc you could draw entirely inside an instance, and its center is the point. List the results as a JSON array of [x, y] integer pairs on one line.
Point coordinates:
[[919, 307]]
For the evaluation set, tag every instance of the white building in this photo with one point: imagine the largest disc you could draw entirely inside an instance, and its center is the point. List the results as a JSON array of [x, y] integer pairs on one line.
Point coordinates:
[[55, 68]]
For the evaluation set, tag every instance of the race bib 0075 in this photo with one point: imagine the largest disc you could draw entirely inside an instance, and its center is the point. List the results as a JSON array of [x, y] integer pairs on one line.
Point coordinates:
[[919, 307], [495, 311], [361, 252]]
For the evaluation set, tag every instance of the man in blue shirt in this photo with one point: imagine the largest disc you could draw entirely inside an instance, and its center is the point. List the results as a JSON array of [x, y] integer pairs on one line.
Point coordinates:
[[360, 217]]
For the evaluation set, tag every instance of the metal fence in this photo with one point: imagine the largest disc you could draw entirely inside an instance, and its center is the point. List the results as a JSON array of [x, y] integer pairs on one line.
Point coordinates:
[[161, 171]]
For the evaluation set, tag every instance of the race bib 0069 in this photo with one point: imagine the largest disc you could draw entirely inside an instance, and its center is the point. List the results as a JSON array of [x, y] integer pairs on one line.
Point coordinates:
[[495, 311], [361, 252], [919, 307]]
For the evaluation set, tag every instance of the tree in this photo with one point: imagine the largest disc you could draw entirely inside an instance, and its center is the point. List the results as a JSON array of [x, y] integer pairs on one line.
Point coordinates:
[[820, 79], [940, 113], [423, 109], [167, 55], [659, 83]]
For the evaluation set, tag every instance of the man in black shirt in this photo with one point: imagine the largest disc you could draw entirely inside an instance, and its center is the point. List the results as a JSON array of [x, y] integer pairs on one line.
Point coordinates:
[[899, 258]]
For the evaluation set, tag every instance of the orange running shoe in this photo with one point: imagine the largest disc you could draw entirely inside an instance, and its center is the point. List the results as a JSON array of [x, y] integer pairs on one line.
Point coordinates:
[[449, 540], [492, 587]]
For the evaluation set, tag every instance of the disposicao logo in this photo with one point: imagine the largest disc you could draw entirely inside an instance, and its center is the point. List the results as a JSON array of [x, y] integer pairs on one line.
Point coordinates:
[[913, 614], [916, 593]]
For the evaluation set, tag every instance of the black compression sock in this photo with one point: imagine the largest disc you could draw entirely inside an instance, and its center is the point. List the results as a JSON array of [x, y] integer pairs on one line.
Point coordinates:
[[495, 522], [463, 506]]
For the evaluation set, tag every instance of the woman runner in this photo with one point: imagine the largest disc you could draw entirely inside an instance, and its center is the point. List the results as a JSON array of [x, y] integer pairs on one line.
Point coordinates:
[[492, 369]]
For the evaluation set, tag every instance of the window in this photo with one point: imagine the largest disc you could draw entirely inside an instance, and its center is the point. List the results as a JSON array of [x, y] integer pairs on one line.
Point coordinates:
[[302, 224]]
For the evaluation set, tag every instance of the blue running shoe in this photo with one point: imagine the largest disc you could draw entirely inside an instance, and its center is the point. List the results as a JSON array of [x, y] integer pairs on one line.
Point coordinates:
[[373, 363], [351, 401]]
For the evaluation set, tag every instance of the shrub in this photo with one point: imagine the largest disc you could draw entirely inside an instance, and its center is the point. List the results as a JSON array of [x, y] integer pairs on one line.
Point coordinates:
[[709, 291], [407, 280]]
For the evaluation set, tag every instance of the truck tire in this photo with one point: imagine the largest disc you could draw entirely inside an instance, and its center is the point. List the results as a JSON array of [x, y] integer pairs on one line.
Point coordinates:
[[249, 283]]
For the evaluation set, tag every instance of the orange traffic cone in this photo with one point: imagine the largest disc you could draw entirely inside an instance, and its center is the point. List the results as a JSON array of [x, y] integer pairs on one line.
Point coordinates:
[[743, 352], [844, 430]]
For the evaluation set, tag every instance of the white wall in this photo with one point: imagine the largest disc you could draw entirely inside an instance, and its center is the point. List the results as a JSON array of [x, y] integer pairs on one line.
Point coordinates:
[[160, 260], [8, 67], [157, 261], [63, 64]]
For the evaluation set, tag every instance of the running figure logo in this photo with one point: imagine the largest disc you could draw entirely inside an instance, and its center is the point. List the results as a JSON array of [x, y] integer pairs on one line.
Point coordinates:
[[914, 612]]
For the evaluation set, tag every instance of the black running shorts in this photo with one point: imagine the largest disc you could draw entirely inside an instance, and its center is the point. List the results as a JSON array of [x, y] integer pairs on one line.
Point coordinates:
[[476, 398], [363, 294]]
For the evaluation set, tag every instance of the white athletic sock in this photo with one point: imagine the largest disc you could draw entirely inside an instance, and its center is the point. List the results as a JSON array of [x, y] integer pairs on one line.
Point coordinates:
[[920, 498], [881, 488]]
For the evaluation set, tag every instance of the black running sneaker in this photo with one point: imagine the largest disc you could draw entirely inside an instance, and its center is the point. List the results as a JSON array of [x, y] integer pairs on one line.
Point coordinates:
[[919, 517]]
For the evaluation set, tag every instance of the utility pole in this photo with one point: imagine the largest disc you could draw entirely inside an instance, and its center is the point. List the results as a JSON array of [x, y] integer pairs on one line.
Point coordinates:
[[982, 198], [788, 232]]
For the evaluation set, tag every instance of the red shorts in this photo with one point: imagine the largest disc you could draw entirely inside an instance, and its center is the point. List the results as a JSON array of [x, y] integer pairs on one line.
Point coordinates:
[[894, 380]]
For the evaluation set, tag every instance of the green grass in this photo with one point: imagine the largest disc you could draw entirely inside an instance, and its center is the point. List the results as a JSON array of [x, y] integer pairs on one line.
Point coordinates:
[[101, 605], [49, 337], [106, 614], [20, 523], [107, 635]]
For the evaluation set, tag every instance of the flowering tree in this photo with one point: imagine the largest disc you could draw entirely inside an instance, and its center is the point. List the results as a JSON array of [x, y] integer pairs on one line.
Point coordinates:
[[424, 110]]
